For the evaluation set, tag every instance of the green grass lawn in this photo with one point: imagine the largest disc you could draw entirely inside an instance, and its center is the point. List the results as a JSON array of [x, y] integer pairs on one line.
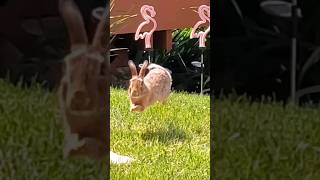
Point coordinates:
[[167, 141], [266, 141], [252, 140], [31, 139]]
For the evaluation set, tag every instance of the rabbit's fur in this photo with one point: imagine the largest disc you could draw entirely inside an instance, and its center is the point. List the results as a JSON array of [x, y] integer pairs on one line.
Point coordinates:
[[146, 89], [84, 87]]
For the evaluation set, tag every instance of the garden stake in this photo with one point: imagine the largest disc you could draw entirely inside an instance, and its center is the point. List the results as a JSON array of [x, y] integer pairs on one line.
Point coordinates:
[[202, 68], [147, 35], [294, 15], [201, 35], [149, 51]]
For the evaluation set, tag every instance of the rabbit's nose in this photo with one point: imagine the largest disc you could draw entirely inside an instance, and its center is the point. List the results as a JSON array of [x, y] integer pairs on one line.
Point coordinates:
[[134, 93], [80, 94], [80, 100]]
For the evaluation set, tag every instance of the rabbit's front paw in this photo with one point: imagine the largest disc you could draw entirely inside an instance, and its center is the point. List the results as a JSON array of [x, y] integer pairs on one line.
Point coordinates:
[[72, 143], [136, 108]]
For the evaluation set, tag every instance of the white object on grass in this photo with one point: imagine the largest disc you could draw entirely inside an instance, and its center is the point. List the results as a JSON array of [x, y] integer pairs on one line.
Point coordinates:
[[119, 159]]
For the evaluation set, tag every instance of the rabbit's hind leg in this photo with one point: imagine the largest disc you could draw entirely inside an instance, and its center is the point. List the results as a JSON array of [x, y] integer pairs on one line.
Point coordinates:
[[164, 102]]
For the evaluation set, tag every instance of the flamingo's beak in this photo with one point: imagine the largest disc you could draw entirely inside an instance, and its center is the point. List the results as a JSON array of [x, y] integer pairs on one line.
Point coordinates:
[[153, 12]]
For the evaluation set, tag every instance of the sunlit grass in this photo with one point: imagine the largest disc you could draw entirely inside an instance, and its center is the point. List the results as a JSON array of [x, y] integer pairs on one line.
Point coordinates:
[[168, 141]]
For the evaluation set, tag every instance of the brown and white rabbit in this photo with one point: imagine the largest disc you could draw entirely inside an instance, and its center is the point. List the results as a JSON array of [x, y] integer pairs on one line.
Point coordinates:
[[146, 89], [84, 87]]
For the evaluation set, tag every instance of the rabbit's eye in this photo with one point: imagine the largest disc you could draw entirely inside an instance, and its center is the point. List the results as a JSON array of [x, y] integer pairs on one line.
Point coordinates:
[[86, 77]]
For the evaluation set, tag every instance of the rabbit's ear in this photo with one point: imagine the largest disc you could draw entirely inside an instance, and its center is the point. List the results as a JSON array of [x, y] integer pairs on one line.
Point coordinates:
[[74, 22], [102, 35], [133, 68], [143, 68]]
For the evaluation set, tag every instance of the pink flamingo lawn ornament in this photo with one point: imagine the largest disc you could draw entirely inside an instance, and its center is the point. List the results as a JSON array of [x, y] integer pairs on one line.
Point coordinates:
[[204, 18], [202, 36], [147, 17]]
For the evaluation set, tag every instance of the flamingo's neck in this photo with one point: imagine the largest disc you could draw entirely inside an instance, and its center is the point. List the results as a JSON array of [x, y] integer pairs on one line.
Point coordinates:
[[146, 16], [154, 24], [204, 16], [204, 13]]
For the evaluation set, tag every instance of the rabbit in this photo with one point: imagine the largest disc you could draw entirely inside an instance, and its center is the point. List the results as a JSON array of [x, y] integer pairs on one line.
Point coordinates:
[[146, 89], [84, 87]]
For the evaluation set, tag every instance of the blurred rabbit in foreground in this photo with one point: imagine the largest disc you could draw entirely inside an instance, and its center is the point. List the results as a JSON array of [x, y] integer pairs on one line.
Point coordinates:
[[84, 88], [83, 91]]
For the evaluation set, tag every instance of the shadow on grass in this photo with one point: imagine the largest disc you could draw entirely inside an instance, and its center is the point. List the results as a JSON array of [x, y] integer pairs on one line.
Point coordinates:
[[166, 135]]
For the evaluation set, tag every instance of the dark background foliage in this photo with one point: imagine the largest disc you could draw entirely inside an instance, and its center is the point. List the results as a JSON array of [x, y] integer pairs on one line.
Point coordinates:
[[252, 50], [33, 40]]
